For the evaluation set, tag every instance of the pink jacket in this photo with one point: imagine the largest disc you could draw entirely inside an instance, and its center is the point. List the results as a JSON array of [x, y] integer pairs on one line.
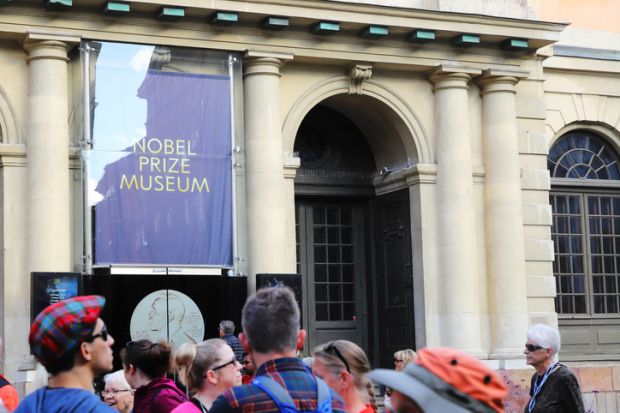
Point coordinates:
[[187, 407]]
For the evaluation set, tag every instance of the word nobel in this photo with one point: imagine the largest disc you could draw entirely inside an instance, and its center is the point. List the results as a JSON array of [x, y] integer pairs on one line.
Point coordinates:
[[174, 163]]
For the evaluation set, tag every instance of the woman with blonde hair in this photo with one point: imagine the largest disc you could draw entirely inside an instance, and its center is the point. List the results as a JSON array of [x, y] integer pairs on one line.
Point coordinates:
[[344, 367], [206, 369], [401, 358]]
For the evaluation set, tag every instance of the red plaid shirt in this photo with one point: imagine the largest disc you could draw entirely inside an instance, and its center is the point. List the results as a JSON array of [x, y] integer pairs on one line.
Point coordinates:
[[292, 374]]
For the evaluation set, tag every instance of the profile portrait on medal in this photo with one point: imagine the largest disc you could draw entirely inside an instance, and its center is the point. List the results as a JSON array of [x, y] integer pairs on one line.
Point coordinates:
[[167, 315]]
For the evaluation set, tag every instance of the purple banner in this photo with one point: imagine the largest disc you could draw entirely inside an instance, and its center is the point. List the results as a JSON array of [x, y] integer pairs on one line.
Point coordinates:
[[168, 200]]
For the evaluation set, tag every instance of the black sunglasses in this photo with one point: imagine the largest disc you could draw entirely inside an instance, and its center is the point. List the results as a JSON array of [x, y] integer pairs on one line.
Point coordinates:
[[103, 334], [233, 361], [331, 348], [533, 347]]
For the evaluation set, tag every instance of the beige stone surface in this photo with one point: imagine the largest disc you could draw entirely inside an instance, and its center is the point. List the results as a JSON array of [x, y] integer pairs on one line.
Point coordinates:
[[535, 179], [538, 250], [537, 214], [615, 374], [596, 379]]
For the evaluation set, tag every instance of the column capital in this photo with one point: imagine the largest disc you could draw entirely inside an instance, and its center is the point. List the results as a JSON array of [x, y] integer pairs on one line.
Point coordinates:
[[493, 80], [267, 63], [445, 76], [42, 45]]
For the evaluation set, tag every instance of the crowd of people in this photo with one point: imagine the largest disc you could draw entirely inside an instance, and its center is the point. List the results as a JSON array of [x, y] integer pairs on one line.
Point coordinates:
[[260, 371]]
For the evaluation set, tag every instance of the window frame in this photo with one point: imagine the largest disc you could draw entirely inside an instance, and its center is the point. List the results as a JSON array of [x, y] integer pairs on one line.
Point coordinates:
[[584, 188], [583, 191]]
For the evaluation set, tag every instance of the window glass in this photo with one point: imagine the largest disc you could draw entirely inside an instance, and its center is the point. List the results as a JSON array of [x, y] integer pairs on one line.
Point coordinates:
[[586, 227]]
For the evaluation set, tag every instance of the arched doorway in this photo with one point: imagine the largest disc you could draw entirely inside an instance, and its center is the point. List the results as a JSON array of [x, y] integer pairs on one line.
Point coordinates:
[[353, 246]]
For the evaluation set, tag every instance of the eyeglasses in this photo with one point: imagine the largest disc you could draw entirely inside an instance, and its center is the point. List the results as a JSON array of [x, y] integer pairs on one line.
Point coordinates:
[[331, 348], [397, 361], [533, 347], [103, 334], [113, 392], [233, 361]]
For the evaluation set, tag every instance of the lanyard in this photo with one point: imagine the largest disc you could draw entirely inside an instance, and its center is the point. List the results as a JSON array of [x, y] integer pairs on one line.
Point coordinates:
[[538, 387]]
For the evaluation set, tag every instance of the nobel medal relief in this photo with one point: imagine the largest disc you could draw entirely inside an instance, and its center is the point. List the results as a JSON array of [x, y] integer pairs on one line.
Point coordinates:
[[167, 315]]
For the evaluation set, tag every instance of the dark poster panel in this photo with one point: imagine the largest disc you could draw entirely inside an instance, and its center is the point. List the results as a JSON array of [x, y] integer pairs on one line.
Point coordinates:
[[51, 287], [177, 308], [293, 281]]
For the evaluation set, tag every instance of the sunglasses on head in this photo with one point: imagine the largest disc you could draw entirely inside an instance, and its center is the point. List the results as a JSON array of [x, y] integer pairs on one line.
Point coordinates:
[[103, 334], [331, 348], [131, 343], [533, 347]]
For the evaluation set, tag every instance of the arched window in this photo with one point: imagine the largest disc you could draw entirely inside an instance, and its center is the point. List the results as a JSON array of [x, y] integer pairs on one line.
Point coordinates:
[[586, 224]]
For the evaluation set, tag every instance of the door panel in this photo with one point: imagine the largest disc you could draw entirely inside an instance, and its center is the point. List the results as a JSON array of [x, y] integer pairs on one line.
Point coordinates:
[[331, 261], [394, 275]]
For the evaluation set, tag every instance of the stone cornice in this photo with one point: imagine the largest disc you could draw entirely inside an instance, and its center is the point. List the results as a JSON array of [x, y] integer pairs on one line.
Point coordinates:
[[141, 26]]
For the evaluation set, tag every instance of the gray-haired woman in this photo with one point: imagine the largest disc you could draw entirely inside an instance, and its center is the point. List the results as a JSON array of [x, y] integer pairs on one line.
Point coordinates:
[[554, 388]]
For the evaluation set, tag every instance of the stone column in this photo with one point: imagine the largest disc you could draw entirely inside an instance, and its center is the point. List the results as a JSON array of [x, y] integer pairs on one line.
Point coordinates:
[[459, 308], [265, 186], [503, 216], [48, 233]]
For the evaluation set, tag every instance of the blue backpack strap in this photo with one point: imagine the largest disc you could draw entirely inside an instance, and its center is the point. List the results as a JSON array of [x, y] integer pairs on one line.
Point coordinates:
[[323, 397], [277, 393]]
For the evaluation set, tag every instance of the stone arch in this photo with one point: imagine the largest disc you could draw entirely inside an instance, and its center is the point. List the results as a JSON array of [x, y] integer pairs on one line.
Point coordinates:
[[10, 131], [607, 132], [412, 145]]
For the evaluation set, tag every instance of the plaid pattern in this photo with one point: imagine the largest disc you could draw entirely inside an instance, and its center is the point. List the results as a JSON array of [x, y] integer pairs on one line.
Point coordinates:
[[292, 374], [63, 326]]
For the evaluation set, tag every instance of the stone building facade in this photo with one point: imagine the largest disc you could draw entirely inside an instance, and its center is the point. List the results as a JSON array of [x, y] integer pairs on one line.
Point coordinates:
[[394, 153]]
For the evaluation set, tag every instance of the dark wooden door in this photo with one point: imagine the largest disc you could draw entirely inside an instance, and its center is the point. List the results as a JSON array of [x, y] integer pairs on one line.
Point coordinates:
[[394, 277], [331, 259]]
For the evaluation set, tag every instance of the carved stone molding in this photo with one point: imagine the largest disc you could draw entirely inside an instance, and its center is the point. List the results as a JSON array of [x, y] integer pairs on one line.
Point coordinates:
[[358, 74]]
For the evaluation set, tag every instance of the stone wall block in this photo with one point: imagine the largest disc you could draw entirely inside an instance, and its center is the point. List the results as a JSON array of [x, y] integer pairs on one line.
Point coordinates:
[[535, 179], [533, 143], [538, 250], [596, 379], [615, 374], [589, 402], [541, 286], [536, 214]]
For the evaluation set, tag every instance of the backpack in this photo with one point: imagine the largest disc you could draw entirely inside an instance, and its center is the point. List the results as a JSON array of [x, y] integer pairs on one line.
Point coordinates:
[[285, 402]]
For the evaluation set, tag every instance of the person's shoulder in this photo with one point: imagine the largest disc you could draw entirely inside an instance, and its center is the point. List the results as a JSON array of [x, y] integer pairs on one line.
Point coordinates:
[[60, 399], [221, 404], [9, 396], [563, 371], [186, 407]]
